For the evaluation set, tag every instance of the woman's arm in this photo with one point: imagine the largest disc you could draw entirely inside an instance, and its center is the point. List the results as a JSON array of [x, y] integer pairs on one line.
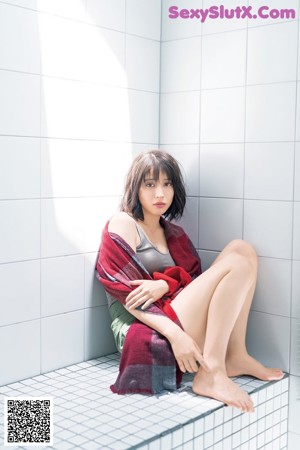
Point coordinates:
[[185, 349]]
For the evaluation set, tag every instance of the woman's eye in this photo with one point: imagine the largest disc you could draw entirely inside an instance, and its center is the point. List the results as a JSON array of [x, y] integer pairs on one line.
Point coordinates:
[[149, 184]]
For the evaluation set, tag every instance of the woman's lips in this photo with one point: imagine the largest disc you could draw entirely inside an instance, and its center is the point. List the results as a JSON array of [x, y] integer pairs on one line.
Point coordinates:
[[160, 205]]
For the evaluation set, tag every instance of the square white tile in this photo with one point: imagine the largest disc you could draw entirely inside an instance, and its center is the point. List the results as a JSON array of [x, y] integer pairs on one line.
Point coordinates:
[[179, 122], [268, 226], [20, 300], [221, 170], [222, 115], [71, 226], [224, 59], [19, 230], [296, 231], [270, 112], [189, 220], [269, 171], [62, 340], [62, 285], [175, 27], [213, 211], [297, 171], [77, 51], [296, 290], [188, 159], [266, 17], [143, 18], [268, 339], [73, 109], [295, 347], [70, 168], [272, 53], [19, 167], [183, 76], [19, 93], [19, 29], [142, 63], [107, 14], [98, 339], [143, 111], [94, 293], [20, 356], [273, 289], [298, 113], [215, 23]]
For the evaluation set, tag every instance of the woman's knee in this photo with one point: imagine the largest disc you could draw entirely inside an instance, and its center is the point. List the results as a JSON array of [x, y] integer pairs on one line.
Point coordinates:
[[243, 248]]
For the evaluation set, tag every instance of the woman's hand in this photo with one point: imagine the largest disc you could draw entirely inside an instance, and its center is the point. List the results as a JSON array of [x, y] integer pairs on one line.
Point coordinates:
[[187, 353], [147, 292]]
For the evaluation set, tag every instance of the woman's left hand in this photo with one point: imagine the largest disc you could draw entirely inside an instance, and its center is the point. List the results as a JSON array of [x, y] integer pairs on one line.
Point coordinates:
[[147, 292]]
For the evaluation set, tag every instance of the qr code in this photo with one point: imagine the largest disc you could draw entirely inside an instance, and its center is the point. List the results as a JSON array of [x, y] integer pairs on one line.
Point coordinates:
[[28, 421]]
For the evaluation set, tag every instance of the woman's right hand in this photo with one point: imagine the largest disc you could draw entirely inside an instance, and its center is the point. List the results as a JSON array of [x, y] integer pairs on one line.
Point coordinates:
[[187, 353]]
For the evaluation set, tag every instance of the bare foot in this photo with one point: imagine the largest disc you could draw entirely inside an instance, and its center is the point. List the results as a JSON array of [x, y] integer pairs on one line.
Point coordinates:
[[216, 384], [246, 365]]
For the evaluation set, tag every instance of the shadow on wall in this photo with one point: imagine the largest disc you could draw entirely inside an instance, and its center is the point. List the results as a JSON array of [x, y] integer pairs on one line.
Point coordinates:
[[85, 151]]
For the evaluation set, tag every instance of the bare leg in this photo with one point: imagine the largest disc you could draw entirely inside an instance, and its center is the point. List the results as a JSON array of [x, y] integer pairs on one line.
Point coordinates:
[[238, 361], [216, 299]]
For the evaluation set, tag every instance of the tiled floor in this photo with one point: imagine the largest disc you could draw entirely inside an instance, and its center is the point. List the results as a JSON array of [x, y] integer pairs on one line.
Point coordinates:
[[87, 415]]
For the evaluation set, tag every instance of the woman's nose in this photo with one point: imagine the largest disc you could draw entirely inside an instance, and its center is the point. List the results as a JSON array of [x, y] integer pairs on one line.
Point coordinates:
[[159, 192]]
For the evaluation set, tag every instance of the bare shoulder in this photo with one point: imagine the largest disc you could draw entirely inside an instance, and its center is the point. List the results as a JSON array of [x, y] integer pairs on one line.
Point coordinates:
[[124, 225]]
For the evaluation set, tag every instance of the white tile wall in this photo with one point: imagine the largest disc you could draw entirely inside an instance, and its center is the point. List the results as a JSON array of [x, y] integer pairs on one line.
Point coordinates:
[[296, 229], [108, 15], [18, 92], [296, 290], [274, 332], [175, 126], [75, 168], [189, 220], [267, 181], [142, 63], [273, 290], [94, 294], [272, 53], [179, 28], [98, 336], [20, 351], [19, 30], [222, 170], [18, 307], [273, 4], [19, 230], [19, 160], [70, 110], [222, 115], [271, 235], [270, 112], [74, 225], [143, 18], [62, 285], [298, 114], [224, 59], [62, 340], [188, 155], [218, 25], [297, 172], [186, 75], [220, 221], [295, 347]]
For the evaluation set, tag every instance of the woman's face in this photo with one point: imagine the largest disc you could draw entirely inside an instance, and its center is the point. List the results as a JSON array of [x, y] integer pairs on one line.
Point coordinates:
[[156, 196]]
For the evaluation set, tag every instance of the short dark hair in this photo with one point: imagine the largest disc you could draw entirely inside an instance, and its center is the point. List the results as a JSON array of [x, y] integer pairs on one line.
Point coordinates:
[[158, 161]]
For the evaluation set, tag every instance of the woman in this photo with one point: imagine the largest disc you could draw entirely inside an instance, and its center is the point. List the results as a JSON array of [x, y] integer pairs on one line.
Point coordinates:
[[205, 312]]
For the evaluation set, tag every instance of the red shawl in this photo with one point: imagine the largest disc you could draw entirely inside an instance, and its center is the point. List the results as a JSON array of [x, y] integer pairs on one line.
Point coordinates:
[[147, 362]]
